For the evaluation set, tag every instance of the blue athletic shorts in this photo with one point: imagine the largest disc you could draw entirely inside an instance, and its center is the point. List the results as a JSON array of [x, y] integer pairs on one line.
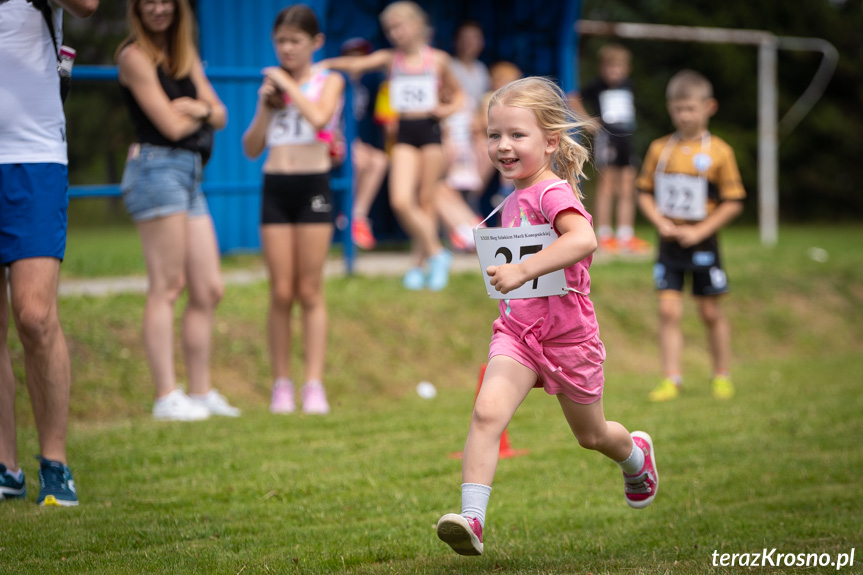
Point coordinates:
[[33, 203], [159, 181]]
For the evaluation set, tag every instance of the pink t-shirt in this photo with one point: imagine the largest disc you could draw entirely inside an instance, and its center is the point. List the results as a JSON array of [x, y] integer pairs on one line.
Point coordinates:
[[565, 319]]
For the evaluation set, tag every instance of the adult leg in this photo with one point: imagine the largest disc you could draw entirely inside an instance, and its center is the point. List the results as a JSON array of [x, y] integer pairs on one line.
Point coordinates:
[[46, 358], [164, 242], [504, 387], [592, 431], [311, 250], [205, 288], [278, 243], [8, 440], [718, 332]]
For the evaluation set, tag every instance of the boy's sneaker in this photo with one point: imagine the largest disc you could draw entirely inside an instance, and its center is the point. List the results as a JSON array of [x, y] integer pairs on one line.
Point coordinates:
[[439, 265], [361, 233], [11, 488], [315, 399], [216, 403], [415, 279], [665, 391], [176, 406], [609, 244], [463, 534], [722, 387], [57, 486], [636, 246], [640, 489], [282, 400]]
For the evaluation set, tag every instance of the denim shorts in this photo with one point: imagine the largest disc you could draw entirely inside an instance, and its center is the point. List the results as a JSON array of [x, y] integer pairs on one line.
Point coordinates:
[[159, 181], [33, 202]]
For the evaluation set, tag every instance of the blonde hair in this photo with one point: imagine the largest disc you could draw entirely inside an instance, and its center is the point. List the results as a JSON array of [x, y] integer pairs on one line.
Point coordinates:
[[503, 72], [412, 9], [548, 103], [182, 54], [614, 52], [688, 84]]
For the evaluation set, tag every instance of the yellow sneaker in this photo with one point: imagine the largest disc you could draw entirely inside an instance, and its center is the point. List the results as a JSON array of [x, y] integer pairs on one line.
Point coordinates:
[[665, 391], [722, 387]]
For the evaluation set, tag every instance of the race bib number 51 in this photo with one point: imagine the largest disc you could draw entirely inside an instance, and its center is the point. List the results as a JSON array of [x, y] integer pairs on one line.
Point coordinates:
[[498, 246]]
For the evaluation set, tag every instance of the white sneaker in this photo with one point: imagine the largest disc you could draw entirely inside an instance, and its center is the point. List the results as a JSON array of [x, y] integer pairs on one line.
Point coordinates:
[[176, 406], [216, 403]]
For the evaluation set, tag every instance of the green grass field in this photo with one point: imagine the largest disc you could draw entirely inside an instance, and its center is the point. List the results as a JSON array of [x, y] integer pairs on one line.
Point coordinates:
[[359, 491]]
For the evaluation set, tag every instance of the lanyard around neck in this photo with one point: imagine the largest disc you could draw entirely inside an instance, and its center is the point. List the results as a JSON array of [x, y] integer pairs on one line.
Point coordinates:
[[673, 141]]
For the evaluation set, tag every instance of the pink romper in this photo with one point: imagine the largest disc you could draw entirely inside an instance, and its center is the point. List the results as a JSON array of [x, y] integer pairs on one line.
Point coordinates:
[[557, 337]]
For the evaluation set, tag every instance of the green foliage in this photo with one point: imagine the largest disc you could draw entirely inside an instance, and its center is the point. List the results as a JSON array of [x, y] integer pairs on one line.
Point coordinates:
[[819, 167], [359, 491]]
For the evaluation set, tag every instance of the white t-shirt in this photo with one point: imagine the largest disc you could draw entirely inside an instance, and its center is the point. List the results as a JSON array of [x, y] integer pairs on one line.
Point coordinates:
[[32, 123]]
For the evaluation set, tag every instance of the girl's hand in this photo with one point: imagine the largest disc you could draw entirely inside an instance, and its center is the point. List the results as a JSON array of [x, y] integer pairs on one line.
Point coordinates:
[[281, 79], [196, 109], [507, 277], [270, 96]]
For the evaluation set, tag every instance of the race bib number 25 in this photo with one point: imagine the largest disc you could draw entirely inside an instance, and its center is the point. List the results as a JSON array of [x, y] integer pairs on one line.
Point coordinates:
[[498, 246]]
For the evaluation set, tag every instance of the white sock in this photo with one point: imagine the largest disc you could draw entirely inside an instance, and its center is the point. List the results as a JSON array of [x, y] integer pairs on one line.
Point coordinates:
[[16, 475], [603, 232], [625, 233], [474, 500], [633, 464]]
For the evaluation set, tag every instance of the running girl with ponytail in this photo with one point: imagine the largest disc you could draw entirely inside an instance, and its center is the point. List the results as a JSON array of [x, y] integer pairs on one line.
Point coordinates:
[[423, 90], [552, 341]]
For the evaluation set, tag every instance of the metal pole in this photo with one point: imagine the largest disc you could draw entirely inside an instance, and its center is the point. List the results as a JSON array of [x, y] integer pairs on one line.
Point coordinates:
[[768, 163]]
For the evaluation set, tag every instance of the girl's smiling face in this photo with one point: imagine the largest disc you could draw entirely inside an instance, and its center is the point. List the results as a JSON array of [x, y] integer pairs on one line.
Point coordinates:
[[517, 146]]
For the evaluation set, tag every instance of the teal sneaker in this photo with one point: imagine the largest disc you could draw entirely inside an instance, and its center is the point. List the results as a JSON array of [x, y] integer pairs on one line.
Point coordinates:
[[11, 488], [439, 266], [415, 279], [58, 487]]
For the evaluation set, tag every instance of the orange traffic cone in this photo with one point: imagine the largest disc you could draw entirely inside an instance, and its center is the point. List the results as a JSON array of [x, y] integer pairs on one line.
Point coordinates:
[[506, 451]]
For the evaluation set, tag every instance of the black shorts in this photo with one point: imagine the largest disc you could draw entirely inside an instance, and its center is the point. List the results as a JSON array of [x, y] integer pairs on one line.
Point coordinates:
[[705, 281], [610, 149], [419, 133], [297, 199]]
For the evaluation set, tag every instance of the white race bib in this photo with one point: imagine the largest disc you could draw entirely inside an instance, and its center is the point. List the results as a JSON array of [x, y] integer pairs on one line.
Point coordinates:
[[498, 246], [616, 107], [681, 196], [413, 93], [290, 127]]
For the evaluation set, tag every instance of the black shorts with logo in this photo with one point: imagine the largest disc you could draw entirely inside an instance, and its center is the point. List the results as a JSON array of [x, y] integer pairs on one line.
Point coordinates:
[[701, 262], [297, 199]]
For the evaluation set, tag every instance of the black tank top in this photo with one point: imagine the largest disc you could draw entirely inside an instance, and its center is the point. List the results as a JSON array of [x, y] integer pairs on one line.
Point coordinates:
[[145, 131]]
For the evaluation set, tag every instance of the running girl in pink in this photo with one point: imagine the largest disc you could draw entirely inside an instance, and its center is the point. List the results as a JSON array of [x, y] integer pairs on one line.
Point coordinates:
[[298, 107], [550, 342]]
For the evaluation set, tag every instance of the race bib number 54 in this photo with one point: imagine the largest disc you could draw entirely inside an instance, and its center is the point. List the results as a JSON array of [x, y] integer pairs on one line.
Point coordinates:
[[498, 246]]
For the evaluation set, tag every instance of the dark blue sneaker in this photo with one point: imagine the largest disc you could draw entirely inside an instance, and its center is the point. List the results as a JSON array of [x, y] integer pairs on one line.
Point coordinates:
[[58, 487], [11, 488]]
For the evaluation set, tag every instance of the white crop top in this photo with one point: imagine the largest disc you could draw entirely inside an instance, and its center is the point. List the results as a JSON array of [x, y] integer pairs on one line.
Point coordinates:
[[288, 126]]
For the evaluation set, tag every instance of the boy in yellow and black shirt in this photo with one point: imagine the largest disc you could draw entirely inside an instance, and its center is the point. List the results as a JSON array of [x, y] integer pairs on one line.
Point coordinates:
[[689, 188]]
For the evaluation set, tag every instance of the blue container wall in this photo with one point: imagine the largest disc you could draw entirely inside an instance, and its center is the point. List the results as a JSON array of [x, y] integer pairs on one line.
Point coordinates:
[[537, 35]]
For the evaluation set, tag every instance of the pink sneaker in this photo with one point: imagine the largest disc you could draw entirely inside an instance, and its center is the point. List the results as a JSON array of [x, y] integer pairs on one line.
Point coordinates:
[[283, 397], [315, 399], [463, 534], [640, 489]]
